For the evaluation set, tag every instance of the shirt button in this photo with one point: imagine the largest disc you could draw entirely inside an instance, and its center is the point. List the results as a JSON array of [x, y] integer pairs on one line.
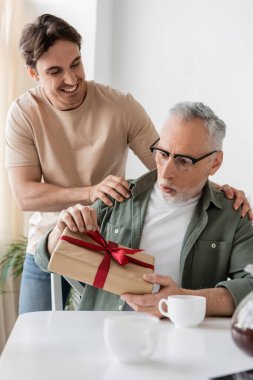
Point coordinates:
[[120, 307], [213, 245], [116, 231]]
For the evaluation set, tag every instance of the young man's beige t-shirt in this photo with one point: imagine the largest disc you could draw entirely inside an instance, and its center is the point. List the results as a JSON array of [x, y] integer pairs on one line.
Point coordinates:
[[79, 147]]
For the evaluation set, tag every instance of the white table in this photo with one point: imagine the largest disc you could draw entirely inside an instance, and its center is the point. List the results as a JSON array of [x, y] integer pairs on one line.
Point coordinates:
[[69, 346]]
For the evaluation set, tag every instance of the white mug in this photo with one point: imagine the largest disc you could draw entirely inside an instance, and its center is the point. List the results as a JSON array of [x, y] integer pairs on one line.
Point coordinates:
[[131, 338], [184, 310]]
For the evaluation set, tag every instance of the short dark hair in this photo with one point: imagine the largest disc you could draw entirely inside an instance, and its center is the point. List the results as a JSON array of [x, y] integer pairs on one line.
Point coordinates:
[[38, 36]]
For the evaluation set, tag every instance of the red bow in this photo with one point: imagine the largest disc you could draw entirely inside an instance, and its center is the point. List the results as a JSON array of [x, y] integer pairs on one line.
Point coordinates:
[[110, 249]]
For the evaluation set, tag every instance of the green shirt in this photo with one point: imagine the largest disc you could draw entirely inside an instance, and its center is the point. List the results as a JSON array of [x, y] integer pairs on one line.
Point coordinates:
[[217, 246]]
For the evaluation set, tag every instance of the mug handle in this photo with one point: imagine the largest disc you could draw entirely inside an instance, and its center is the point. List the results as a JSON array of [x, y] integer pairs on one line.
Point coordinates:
[[160, 304]]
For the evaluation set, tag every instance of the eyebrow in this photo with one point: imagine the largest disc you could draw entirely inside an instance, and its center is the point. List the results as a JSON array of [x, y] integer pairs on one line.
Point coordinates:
[[176, 154], [59, 67]]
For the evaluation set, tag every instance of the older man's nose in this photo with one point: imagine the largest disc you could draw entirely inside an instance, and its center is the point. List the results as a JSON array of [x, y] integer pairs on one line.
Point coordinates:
[[168, 170]]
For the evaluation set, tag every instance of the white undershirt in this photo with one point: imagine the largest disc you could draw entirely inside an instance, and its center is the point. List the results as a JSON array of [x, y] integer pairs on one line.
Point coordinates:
[[164, 229]]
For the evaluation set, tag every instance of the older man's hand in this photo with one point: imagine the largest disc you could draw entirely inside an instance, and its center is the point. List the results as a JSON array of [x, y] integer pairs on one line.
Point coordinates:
[[148, 303], [219, 301], [77, 218]]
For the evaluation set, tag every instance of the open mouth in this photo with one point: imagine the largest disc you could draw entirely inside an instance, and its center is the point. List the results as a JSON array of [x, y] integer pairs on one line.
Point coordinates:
[[167, 189], [70, 89]]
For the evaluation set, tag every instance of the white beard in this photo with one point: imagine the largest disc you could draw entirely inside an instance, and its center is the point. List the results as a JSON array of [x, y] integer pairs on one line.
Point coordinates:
[[180, 196]]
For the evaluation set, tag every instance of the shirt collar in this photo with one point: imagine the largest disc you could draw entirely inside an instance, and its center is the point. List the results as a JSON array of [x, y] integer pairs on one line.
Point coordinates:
[[210, 195], [143, 183], [147, 181]]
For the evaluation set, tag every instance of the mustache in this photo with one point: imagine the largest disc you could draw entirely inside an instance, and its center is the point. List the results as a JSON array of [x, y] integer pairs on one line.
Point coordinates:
[[167, 182]]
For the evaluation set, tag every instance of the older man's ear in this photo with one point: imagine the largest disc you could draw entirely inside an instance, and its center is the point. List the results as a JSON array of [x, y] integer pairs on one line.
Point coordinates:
[[216, 164]]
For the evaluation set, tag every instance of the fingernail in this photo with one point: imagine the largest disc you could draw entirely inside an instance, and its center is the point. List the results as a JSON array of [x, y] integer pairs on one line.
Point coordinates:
[[74, 229], [89, 227]]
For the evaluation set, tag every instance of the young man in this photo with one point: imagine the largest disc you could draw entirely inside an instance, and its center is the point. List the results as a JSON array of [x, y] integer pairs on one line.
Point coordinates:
[[67, 141], [200, 243]]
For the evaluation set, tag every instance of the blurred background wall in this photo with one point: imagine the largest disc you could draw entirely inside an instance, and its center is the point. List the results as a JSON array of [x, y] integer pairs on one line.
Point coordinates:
[[165, 51]]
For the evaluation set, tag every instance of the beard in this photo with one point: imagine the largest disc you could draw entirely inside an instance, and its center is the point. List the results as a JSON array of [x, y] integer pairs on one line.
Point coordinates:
[[180, 195]]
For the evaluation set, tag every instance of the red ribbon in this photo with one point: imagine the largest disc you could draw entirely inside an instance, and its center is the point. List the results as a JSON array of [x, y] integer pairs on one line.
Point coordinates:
[[111, 250]]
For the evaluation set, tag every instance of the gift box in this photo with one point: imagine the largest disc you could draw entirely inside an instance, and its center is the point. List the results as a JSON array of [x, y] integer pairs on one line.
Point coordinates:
[[88, 258]]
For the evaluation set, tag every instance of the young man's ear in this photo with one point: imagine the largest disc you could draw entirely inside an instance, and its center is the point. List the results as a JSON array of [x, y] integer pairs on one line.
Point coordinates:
[[216, 162], [32, 72]]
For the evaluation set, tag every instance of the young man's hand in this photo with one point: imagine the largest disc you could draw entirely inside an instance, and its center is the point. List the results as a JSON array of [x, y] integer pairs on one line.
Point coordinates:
[[115, 187], [240, 199]]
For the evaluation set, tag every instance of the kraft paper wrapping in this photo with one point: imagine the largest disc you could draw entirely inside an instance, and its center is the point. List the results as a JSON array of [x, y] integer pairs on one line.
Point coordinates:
[[81, 264]]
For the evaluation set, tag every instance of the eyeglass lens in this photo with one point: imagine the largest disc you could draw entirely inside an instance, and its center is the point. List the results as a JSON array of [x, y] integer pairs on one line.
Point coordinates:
[[182, 163]]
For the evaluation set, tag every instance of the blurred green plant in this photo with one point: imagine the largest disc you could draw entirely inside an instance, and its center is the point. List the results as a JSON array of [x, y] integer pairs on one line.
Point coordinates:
[[12, 262], [72, 300]]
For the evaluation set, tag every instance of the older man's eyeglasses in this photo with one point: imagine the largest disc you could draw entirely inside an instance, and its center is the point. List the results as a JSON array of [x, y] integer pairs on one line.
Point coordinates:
[[183, 163]]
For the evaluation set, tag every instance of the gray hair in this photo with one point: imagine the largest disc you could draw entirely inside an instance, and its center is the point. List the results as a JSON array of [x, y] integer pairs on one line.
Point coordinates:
[[216, 127]]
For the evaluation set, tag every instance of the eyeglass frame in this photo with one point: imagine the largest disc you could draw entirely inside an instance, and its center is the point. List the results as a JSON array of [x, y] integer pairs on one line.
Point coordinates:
[[168, 154]]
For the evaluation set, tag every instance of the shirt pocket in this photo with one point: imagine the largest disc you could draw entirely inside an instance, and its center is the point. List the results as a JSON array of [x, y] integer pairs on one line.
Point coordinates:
[[118, 234], [210, 263]]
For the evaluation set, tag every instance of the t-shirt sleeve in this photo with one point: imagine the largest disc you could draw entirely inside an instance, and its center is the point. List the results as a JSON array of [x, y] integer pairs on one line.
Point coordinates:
[[20, 145], [141, 132]]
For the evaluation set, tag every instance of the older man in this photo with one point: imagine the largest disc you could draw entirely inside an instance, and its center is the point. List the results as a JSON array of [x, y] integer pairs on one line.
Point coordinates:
[[200, 243]]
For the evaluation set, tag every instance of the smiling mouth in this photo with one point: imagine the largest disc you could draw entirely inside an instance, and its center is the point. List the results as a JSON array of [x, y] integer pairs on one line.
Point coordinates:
[[69, 90]]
